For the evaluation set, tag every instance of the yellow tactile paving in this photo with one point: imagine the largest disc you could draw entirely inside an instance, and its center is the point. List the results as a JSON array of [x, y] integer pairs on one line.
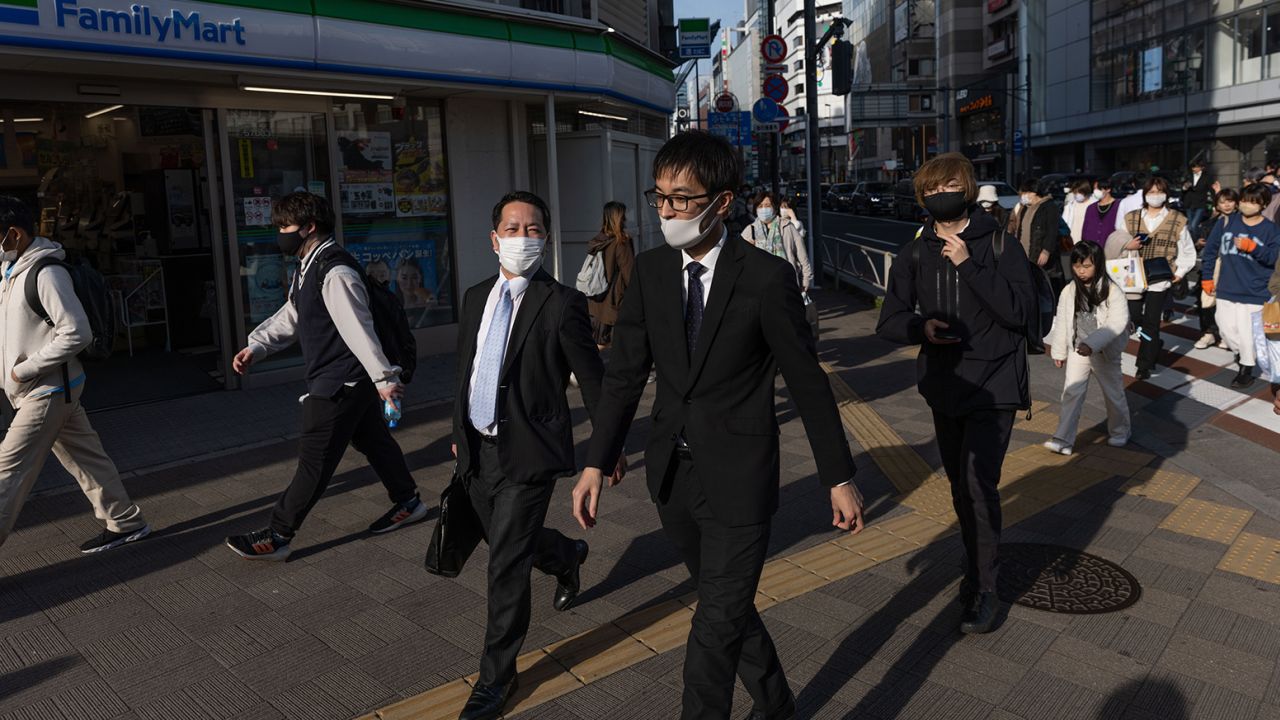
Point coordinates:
[[919, 529], [546, 680], [441, 703], [1162, 485], [1045, 423], [783, 580], [1254, 556], [601, 652], [1207, 520], [877, 544], [831, 562]]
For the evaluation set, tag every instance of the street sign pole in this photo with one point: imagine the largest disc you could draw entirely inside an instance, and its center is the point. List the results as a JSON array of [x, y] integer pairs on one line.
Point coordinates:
[[775, 139], [697, 90], [811, 121]]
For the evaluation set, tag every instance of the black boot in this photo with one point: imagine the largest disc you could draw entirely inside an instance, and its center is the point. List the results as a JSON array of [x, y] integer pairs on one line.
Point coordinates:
[[1244, 378], [980, 617]]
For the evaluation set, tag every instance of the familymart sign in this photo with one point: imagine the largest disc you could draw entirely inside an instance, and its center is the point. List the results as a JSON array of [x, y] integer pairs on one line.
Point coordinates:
[[168, 25]]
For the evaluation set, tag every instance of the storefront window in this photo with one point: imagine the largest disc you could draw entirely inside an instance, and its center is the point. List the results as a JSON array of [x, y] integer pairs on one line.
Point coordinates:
[[394, 196], [124, 190], [271, 154], [1249, 47]]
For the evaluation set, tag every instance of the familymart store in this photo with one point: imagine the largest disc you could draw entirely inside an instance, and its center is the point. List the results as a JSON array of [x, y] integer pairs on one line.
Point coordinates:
[[152, 137]]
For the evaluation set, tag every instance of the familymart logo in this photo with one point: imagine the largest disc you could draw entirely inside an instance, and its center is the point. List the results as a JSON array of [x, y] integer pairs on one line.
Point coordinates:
[[140, 20]]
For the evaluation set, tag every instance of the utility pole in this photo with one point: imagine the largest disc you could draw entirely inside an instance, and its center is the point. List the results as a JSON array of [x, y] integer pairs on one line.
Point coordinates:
[[775, 139], [811, 53]]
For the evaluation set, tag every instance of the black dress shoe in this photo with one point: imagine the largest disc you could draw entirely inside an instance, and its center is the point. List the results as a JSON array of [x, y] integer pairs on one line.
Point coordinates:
[[486, 701], [980, 616], [786, 712], [567, 587], [968, 589], [1244, 378], [1142, 374]]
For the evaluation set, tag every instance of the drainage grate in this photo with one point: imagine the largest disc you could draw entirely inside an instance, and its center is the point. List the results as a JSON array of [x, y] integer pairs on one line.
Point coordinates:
[[1064, 580]]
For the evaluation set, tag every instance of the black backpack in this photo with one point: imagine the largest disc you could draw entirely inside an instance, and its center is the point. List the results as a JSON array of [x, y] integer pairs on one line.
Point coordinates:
[[91, 290], [390, 323], [1039, 323]]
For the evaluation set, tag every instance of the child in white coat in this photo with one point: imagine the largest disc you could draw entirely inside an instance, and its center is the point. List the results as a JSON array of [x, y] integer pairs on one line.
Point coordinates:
[[1088, 338]]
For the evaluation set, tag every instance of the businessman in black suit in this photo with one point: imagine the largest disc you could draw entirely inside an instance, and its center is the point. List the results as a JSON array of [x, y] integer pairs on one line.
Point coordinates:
[[521, 334], [718, 318], [1197, 195]]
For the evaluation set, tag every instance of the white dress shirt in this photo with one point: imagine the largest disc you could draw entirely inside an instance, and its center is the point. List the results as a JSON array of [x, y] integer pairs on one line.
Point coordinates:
[[709, 262], [516, 286], [1127, 205], [1186, 259]]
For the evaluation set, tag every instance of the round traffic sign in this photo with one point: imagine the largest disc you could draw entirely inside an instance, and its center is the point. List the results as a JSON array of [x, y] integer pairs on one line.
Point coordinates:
[[725, 103], [776, 88], [783, 119], [765, 110], [773, 48]]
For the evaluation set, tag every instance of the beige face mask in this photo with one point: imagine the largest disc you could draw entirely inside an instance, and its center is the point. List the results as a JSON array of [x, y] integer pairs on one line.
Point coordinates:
[[1250, 209]]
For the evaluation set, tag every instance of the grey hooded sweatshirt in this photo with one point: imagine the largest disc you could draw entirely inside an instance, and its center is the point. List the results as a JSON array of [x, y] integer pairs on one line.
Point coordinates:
[[30, 348]]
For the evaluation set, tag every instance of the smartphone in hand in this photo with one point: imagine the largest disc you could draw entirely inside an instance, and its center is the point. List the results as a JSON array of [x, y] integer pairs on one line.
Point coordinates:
[[1142, 238]]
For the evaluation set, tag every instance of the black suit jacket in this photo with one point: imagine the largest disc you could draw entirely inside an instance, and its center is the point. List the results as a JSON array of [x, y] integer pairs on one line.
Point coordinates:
[[1200, 194], [723, 397], [550, 337]]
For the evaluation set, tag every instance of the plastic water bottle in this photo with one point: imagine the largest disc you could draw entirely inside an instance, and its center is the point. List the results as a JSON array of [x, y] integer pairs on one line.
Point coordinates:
[[391, 412]]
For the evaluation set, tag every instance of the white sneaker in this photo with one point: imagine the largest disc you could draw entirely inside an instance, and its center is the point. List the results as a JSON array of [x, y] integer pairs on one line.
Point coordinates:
[[1057, 446], [1206, 340], [1223, 344], [1117, 442]]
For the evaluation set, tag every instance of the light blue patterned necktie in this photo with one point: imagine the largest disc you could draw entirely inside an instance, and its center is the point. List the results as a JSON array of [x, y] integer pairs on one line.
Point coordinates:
[[484, 404]]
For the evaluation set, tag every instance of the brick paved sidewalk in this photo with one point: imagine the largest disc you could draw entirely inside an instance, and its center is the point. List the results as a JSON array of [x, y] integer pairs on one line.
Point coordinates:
[[178, 627]]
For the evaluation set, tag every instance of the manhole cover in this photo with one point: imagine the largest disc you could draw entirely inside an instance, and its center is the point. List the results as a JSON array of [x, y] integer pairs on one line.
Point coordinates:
[[1062, 580]]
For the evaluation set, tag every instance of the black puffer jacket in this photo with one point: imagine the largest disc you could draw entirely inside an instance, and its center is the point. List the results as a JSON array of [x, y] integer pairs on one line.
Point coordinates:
[[985, 302]]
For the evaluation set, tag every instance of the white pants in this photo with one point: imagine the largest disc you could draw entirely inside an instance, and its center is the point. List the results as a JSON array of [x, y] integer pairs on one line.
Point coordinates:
[[51, 423], [1106, 370], [1235, 322]]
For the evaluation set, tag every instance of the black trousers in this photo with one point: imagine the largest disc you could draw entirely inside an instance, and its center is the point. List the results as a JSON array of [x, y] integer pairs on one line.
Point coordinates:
[[728, 636], [1146, 313], [512, 515], [973, 448], [352, 417]]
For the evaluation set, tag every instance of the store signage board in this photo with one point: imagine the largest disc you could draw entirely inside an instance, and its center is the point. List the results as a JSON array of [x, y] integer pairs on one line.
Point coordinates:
[[773, 48], [732, 126], [694, 31], [1019, 142], [767, 127]]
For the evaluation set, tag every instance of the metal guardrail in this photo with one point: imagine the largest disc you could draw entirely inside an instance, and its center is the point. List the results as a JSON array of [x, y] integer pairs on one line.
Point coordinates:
[[866, 268]]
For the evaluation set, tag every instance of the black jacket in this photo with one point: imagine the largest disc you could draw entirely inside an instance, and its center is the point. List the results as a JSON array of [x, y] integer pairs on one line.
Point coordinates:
[[1046, 235], [550, 337], [1199, 194], [723, 398], [987, 303]]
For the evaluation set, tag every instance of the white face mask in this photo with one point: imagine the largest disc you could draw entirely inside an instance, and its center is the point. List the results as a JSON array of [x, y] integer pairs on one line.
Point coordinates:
[[1078, 198], [684, 234], [9, 256], [1155, 200], [520, 255], [1097, 194], [765, 214], [1025, 200]]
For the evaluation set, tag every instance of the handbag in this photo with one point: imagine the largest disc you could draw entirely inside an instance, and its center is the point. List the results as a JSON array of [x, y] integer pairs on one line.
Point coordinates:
[[457, 532], [1271, 320], [1267, 351], [1128, 273], [1157, 270]]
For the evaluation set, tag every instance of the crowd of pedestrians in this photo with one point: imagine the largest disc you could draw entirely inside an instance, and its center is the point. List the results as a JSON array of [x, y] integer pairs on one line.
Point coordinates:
[[711, 317]]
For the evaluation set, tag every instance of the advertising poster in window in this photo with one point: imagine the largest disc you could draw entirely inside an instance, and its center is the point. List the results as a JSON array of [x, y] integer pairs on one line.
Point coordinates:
[[364, 175], [419, 182], [415, 270]]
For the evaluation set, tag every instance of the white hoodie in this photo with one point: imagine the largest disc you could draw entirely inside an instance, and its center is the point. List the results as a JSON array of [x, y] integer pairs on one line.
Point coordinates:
[[28, 346]]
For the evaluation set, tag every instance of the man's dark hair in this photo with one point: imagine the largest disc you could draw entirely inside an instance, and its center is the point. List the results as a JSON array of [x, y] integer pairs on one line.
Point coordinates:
[[1254, 174], [1103, 183], [1029, 185], [710, 159], [1045, 188], [522, 196], [17, 214], [302, 209]]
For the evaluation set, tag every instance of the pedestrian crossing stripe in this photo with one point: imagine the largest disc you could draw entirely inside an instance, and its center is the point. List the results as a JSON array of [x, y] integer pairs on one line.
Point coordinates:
[[19, 12]]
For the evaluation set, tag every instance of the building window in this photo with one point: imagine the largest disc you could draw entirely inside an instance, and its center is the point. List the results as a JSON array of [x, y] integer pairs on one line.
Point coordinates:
[[1249, 47], [799, 88], [920, 67], [798, 65]]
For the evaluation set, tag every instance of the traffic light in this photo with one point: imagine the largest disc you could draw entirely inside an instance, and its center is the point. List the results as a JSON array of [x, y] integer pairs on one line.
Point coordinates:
[[841, 67]]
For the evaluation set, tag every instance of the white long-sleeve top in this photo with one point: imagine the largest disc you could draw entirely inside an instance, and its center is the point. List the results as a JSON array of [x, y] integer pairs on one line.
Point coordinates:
[[1186, 259], [1113, 324], [347, 300]]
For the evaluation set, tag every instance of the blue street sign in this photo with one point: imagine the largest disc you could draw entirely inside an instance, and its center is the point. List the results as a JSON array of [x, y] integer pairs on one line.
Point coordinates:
[[694, 51], [732, 126], [1018, 142], [765, 110]]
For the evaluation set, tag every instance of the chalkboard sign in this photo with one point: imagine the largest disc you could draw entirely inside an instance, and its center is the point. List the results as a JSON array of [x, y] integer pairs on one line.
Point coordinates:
[[156, 122]]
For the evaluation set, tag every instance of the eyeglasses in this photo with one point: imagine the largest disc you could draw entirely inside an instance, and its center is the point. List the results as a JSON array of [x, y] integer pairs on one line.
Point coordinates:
[[679, 203]]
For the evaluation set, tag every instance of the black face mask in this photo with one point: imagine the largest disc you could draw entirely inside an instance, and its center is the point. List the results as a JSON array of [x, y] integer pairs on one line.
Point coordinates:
[[290, 242], [946, 206]]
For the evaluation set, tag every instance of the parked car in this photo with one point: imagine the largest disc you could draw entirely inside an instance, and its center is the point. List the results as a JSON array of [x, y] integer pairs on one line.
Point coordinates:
[[872, 198], [1122, 185], [802, 193], [905, 206], [839, 197]]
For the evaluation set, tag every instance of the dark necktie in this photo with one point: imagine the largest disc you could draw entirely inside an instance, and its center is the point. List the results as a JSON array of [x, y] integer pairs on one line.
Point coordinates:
[[693, 306]]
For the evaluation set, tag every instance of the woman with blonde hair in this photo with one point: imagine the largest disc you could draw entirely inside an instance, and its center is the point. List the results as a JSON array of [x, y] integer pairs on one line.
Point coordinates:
[[619, 256]]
